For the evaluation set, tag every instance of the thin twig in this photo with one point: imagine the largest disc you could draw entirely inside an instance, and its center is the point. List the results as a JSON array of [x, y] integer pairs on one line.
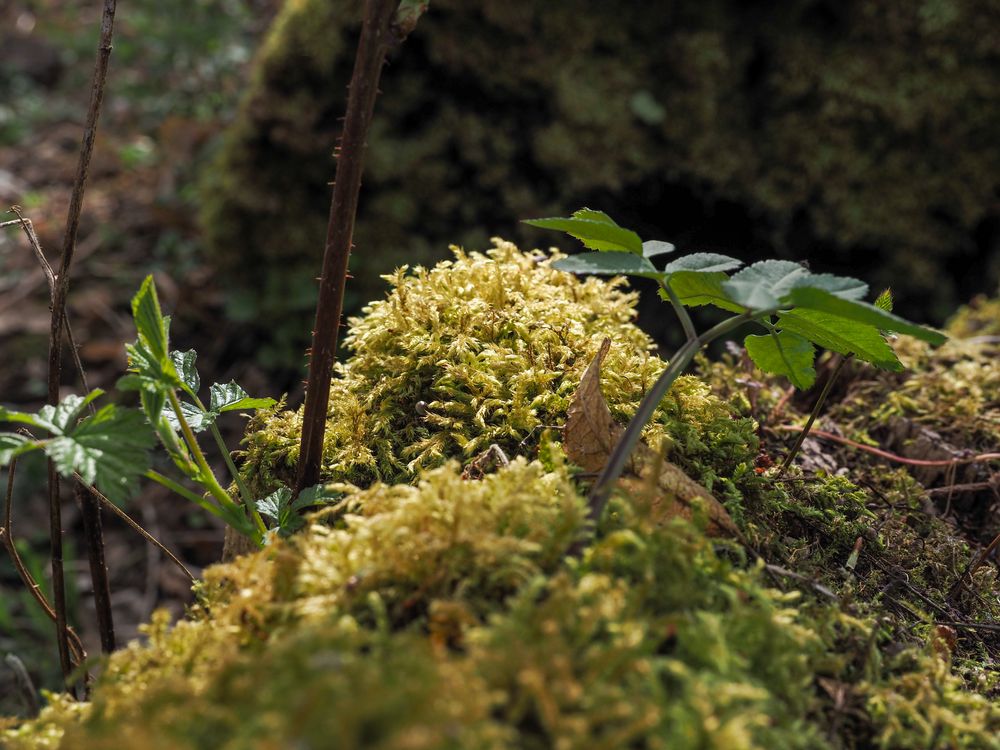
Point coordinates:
[[58, 313], [981, 458], [137, 528], [6, 536], [378, 34]]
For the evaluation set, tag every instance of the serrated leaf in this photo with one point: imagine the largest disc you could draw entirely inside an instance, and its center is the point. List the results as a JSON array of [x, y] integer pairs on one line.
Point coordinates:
[[696, 288], [763, 285], [760, 286], [152, 401], [109, 450], [231, 397], [841, 335], [703, 263], [149, 372], [197, 419], [884, 300], [862, 312], [274, 504], [13, 444], [652, 248], [607, 264], [318, 494], [786, 354], [598, 231], [149, 321], [184, 364]]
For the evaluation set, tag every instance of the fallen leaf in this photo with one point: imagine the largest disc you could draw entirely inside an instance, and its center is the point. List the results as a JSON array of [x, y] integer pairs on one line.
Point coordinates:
[[589, 436]]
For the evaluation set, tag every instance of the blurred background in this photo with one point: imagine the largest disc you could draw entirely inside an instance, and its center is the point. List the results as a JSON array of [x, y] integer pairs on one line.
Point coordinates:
[[861, 136]]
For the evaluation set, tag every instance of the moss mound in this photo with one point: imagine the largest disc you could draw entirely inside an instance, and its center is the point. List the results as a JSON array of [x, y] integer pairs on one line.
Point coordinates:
[[488, 349], [444, 612]]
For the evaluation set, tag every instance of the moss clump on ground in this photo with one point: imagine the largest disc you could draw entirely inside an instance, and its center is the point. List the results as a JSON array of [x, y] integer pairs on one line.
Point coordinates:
[[862, 132], [445, 612], [488, 349]]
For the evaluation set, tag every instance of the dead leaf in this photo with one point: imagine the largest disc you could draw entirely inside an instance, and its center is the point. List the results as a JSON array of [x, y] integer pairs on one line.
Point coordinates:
[[589, 436]]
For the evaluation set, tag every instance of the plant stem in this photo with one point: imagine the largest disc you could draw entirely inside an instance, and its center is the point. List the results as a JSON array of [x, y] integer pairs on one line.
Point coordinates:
[[681, 311], [56, 322], [601, 491], [91, 515], [377, 34], [812, 417], [183, 491]]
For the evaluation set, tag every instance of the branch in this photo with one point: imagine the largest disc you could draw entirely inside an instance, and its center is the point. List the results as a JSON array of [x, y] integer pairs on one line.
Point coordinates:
[[386, 23], [58, 313]]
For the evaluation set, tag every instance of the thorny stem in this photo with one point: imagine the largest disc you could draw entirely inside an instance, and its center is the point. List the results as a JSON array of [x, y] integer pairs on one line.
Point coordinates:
[[378, 33], [817, 407], [56, 323]]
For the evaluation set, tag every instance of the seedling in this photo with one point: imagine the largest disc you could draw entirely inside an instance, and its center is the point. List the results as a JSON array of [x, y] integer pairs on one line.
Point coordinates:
[[796, 309], [110, 449]]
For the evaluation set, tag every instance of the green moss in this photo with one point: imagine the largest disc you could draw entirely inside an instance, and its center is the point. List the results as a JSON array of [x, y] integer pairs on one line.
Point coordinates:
[[488, 349]]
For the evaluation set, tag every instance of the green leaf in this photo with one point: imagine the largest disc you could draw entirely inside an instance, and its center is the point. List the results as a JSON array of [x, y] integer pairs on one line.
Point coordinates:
[[763, 285], [149, 321], [184, 364], [231, 397], [318, 494], [197, 419], [109, 450], [785, 354], [841, 335], [652, 248], [13, 444], [274, 505], [884, 300], [607, 264], [151, 372], [862, 312], [695, 288], [702, 262], [595, 230]]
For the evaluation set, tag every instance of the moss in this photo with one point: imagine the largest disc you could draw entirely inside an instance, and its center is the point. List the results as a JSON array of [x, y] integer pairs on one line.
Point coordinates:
[[488, 349], [445, 612], [861, 129]]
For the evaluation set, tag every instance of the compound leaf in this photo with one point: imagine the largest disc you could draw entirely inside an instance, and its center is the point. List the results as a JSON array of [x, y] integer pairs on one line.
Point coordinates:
[[184, 364], [652, 248], [149, 320], [861, 312], [109, 450], [784, 353], [607, 264], [595, 229], [841, 335], [695, 288], [13, 445], [231, 397], [702, 262]]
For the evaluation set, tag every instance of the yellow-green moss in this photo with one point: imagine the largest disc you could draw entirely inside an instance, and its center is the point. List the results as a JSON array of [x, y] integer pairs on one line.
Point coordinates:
[[489, 349]]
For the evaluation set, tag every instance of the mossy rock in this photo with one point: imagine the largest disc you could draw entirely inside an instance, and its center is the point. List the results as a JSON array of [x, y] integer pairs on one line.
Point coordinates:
[[446, 612], [862, 133]]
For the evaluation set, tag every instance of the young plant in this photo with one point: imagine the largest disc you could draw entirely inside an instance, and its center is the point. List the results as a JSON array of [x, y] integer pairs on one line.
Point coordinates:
[[110, 449], [796, 310]]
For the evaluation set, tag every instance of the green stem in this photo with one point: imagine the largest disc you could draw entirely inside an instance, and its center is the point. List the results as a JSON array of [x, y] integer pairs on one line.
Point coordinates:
[[234, 472], [812, 417], [207, 476], [681, 311], [601, 491], [183, 491]]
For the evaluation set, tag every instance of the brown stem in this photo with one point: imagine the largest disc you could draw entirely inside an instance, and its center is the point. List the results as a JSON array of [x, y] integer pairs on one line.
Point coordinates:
[[57, 320], [381, 30], [6, 535], [90, 511]]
